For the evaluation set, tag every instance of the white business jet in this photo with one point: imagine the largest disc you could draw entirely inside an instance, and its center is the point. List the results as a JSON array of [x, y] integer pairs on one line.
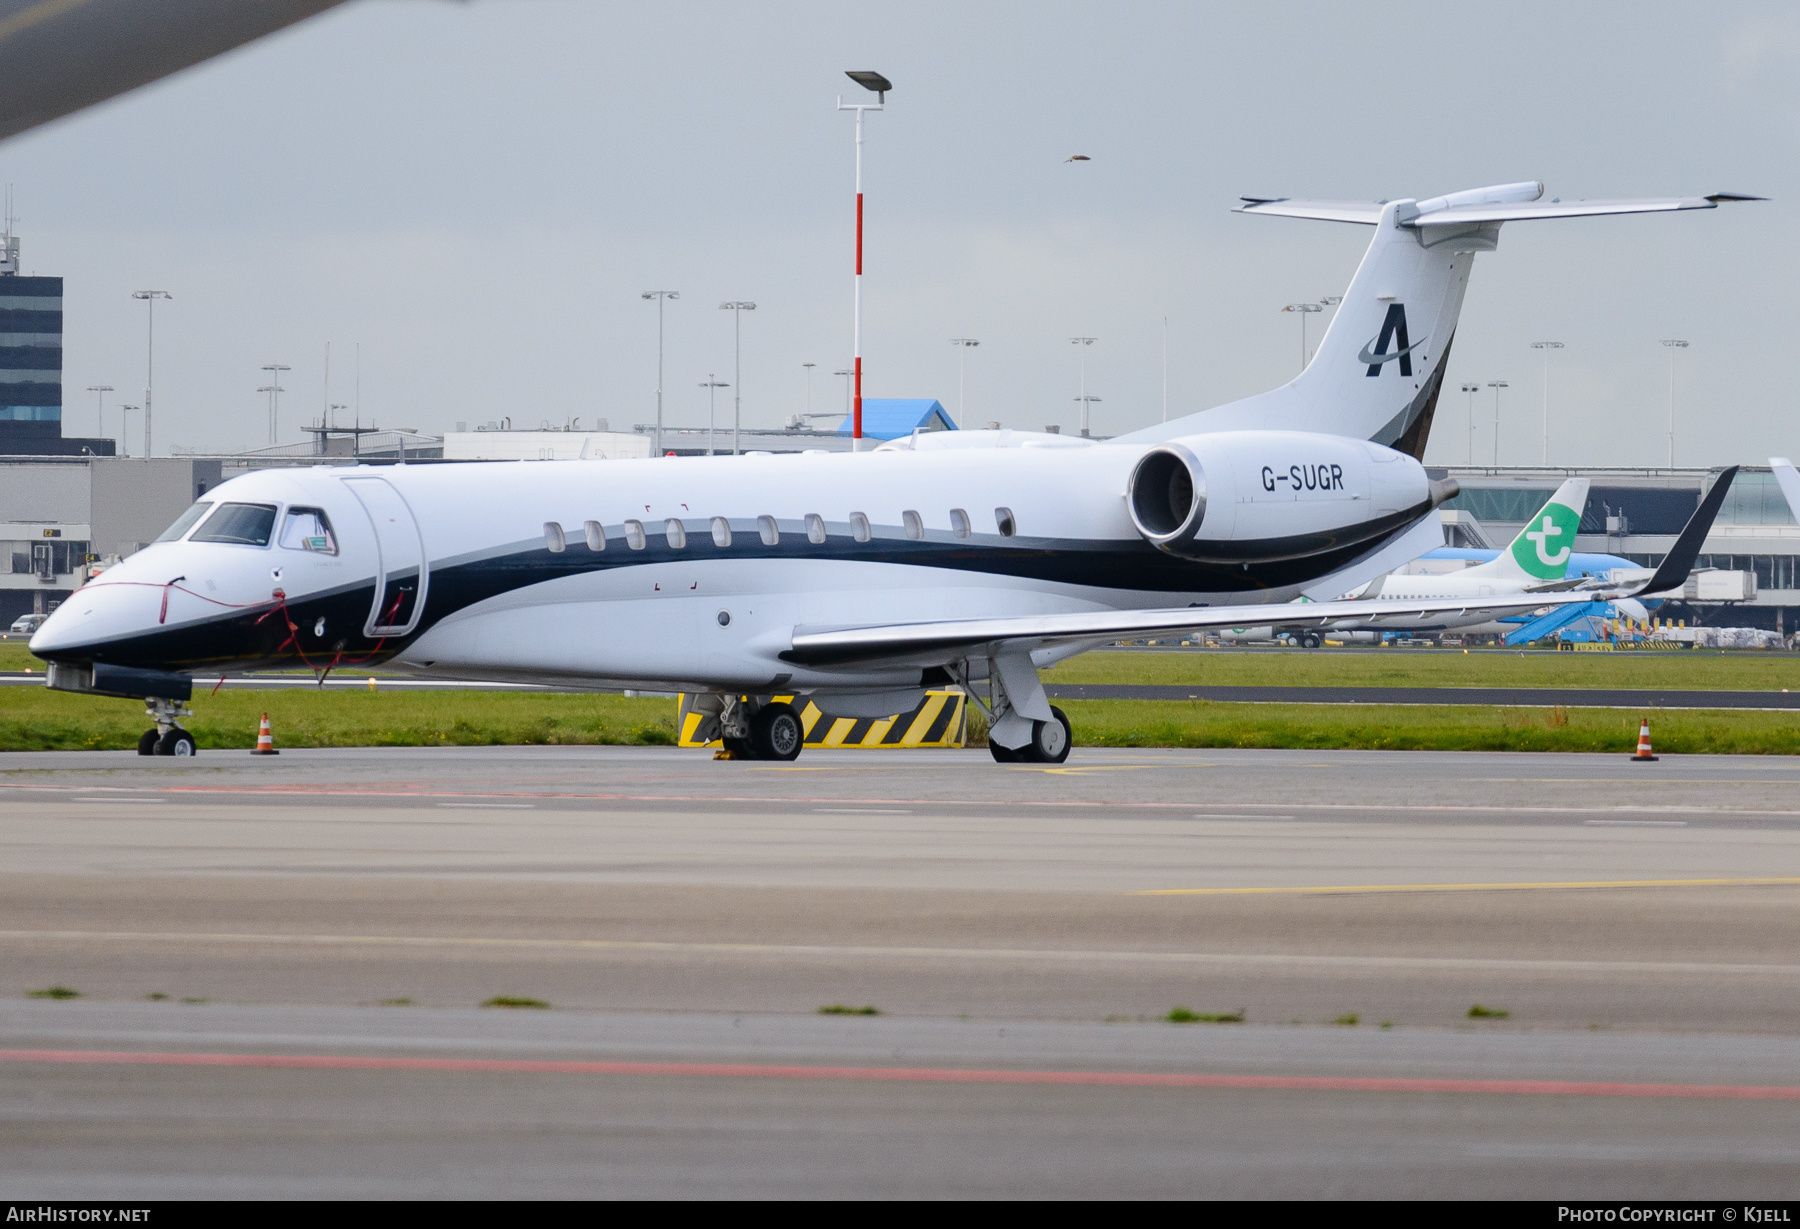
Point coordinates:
[[858, 579]]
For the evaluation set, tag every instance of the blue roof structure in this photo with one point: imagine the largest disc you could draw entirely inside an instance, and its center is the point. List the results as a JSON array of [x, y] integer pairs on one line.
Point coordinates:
[[893, 418]]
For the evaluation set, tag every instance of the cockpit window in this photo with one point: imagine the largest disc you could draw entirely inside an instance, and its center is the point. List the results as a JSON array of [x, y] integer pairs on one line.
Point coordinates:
[[239, 525], [185, 521], [308, 529]]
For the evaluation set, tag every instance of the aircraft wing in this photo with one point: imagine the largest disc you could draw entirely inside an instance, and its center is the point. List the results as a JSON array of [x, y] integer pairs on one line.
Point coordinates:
[[58, 56], [1790, 482], [944, 641], [940, 642]]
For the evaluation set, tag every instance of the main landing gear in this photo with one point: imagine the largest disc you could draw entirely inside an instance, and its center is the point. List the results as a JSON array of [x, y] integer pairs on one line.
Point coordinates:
[[168, 738], [1050, 743], [1023, 726], [753, 729]]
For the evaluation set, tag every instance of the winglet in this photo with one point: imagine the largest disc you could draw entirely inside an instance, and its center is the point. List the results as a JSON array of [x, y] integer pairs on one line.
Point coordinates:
[[1674, 569]]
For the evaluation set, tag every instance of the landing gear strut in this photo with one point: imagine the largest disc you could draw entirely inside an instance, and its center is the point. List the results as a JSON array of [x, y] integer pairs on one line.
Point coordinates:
[[168, 738], [1019, 713], [753, 730]]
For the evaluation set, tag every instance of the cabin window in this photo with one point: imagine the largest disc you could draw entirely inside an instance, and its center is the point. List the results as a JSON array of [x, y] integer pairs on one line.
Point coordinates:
[[721, 529], [915, 528], [859, 527], [815, 529], [238, 525], [554, 541], [307, 529], [959, 522], [634, 534], [674, 533], [185, 522], [1003, 518], [596, 536], [771, 533]]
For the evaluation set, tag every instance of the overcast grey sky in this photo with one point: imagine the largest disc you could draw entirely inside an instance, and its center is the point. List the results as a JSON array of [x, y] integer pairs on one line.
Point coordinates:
[[478, 193]]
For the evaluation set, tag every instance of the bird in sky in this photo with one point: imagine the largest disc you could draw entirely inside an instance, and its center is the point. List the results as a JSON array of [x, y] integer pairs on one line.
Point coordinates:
[[1078, 158]]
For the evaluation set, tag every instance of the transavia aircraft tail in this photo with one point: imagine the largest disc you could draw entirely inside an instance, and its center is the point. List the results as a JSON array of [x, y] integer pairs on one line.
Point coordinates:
[[856, 579]]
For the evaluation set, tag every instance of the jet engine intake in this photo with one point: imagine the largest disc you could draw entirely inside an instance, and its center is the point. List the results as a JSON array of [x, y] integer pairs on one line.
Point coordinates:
[[1168, 495]]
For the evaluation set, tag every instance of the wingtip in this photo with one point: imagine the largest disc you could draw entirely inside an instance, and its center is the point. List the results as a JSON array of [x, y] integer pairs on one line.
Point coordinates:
[[1721, 198]]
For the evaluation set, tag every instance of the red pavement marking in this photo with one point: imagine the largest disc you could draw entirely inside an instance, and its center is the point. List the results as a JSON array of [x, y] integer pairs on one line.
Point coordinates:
[[927, 1075]]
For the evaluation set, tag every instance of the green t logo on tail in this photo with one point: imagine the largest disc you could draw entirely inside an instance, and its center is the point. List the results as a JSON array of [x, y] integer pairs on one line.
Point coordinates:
[[1543, 549]]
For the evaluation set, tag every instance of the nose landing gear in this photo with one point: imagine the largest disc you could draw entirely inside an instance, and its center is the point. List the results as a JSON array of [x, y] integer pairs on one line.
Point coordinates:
[[168, 738]]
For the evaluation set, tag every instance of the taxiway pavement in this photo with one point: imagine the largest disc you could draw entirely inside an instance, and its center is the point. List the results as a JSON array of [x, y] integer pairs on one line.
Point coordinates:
[[1637, 922]]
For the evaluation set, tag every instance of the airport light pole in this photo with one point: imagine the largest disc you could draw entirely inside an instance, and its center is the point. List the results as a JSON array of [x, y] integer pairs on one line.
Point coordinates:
[[1086, 401], [1674, 346], [100, 406], [274, 389], [712, 384], [879, 86], [1303, 310], [1546, 347], [809, 370], [659, 296], [963, 346], [1082, 343], [1165, 416], [737, 308], [1497, 385], [125, 429], [1471, 389], [846, 373], [149, 297]]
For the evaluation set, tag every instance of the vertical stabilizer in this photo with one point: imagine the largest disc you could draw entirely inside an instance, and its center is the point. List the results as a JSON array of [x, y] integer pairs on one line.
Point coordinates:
[[1377, 373], [1540, 554]]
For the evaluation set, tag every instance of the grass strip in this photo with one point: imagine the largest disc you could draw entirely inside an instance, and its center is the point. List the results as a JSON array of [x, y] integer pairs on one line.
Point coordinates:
[[1446, 727], [37, 719], [1705, 670], [34, 719]]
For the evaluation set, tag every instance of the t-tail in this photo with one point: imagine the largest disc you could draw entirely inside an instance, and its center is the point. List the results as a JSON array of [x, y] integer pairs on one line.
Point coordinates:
[[1378, 371], [1541, 552]]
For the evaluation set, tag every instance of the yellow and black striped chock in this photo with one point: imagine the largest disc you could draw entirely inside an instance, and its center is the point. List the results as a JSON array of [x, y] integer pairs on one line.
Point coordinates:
[[940, 720]]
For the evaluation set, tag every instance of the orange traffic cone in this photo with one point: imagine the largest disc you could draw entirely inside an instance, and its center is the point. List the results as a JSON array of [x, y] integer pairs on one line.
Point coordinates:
[[265, 741], [1643, 755]]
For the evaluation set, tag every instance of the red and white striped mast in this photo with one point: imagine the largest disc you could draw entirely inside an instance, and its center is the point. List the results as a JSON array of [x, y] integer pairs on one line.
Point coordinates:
[[879, 85]]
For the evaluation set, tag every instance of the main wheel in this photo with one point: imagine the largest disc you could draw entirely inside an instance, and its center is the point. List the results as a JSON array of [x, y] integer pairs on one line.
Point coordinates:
[[176, 742], [147, 744], [1311, 640], [1004, 755], [1050, 740], [776, 733]]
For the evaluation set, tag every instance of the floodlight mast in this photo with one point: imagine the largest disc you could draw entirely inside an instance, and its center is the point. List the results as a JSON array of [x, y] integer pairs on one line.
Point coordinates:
[[879, 85]]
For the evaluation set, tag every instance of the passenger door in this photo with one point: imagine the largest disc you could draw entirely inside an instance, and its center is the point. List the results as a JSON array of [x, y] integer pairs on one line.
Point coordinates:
[[401, 573]]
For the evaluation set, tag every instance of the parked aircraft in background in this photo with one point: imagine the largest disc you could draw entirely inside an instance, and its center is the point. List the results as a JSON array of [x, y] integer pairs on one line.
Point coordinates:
[[857, 579]]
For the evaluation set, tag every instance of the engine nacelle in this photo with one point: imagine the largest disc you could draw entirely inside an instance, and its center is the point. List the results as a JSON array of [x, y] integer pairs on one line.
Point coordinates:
[[1264, 496]]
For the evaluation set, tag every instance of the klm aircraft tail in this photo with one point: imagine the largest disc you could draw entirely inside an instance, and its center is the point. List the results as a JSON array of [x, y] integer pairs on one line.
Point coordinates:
[[1378, 371], [1540, 554]]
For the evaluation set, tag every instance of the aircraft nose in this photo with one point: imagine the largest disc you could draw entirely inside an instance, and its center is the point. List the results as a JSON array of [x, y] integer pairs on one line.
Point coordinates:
[[93, 615]]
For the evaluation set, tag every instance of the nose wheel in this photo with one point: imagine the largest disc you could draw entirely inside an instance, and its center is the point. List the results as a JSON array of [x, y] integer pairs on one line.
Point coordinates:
[[167, 738]]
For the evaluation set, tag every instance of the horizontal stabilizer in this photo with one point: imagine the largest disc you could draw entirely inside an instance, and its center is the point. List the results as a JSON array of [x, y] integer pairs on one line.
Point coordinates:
[[1503, 203], [1366, 212]]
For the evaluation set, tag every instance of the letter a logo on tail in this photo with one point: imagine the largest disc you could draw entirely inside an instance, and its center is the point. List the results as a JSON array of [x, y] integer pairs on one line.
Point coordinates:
[[1392, 329]]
